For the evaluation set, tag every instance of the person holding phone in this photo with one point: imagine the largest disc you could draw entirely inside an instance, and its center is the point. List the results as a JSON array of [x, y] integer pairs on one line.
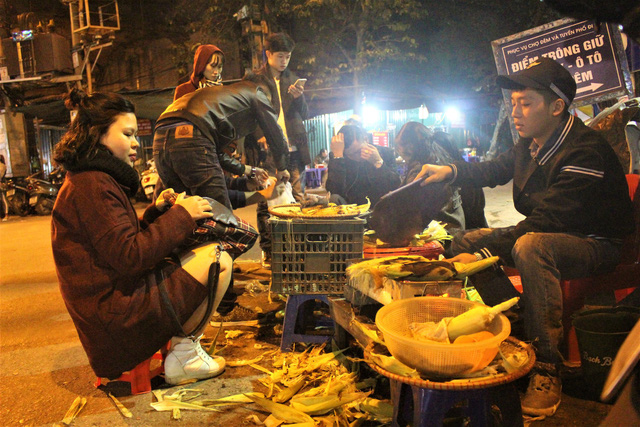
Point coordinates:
[[287, 98]]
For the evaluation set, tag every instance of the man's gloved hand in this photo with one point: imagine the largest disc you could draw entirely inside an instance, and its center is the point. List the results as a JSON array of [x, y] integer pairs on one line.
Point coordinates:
[[283, 175], [268, 193], [165, 199], [253, 172]]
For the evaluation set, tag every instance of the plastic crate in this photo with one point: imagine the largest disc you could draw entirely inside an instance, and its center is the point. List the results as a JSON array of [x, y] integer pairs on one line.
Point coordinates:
[[310, 256]]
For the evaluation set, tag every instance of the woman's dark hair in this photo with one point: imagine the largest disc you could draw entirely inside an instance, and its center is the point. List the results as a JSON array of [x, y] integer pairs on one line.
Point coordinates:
[[95, 113], [352, 133], [445, 141], [418, 138], [220, 57]]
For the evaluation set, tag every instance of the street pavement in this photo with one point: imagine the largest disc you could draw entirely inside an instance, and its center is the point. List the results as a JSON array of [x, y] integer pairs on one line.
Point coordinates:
[[43, 367]]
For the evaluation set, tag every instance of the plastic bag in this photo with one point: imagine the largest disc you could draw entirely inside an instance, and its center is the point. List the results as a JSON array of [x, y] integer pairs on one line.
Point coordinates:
[[285, 195]]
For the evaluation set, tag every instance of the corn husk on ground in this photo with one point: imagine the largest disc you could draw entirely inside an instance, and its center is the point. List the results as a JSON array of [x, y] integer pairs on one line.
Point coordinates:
[[414, 268], [316, 388]]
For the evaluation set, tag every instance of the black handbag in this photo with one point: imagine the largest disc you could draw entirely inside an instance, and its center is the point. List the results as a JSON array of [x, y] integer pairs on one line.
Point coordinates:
[[234, 234]]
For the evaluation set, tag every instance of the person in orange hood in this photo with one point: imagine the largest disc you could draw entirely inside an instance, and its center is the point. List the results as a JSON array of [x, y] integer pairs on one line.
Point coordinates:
[[207, 70]]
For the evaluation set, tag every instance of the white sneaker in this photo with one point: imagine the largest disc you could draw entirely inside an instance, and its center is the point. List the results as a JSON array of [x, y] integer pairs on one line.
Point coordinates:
[[187, 360]]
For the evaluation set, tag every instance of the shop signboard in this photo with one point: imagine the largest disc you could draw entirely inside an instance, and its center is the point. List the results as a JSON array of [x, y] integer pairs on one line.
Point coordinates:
[[144, 127], [381, 139], [592, 52]]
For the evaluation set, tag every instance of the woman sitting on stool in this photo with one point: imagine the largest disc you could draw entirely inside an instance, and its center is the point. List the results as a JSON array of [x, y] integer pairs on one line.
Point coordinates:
[[116, 279]]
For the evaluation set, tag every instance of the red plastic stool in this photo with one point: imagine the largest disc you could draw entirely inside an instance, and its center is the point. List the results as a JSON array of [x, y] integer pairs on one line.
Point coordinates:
[[139, 378]]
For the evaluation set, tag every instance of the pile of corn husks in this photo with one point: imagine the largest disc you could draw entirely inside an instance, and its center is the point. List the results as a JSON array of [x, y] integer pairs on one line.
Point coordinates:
[[306, 389]]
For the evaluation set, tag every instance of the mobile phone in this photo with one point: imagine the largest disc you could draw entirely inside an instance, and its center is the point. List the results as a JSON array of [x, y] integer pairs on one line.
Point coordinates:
[[300, 83]]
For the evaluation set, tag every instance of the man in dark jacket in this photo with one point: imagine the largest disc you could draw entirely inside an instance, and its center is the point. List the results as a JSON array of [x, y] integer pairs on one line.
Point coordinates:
[[192, 132], [568, 183], [289, 103], [190, 137]]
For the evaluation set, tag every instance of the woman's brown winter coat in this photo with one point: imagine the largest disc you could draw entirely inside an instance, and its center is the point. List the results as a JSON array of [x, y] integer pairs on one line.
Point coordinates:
[[105, 258]]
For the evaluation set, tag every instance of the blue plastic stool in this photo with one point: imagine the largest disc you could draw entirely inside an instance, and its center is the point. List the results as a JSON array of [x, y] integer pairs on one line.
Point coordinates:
[[430, 406], [313, 178], [422, 402], [294, 309]]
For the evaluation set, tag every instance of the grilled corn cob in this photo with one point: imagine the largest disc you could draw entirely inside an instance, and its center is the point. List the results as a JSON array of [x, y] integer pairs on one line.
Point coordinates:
[[408, 267], [477, 319]]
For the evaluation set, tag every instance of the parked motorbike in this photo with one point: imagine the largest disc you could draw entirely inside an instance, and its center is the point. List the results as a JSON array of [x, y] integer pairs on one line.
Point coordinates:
[[42, 195], [18, 197], [56, 177], [4, 204], [33, 195], [149, 179]]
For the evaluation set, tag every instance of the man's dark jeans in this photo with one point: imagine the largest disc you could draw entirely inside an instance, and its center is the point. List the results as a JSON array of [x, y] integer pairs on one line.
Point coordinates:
[[190, 163], [543, 259]]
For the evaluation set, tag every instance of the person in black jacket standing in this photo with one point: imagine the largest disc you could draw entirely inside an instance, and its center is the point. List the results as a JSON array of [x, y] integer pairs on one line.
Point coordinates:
[[192, 132], [189, 140], [569, 184]]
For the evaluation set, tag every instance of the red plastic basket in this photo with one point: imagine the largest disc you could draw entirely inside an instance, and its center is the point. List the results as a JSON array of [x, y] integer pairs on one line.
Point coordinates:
[[431, 250]]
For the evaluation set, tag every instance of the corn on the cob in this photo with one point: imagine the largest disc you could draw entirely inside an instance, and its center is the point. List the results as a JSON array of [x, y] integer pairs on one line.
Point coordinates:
[[465, 270], [282, 412], [407, 267], [477, 319]]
